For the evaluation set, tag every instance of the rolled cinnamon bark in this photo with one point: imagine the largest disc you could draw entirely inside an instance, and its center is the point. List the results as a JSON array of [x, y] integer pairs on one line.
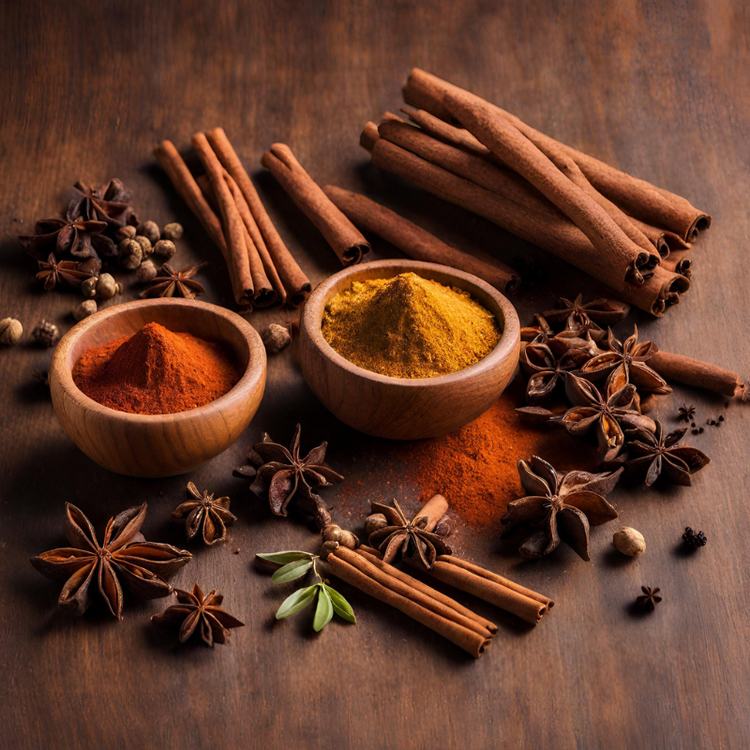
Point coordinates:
[[546, 228], [231, 222], [659, 292], [637, 197], [296, 284], [492, 588], [348, 243], [679, 261], [681, 369], [515, 149], [266, 291], [663, 239], [418, 243], [188, 189], [424, 607]]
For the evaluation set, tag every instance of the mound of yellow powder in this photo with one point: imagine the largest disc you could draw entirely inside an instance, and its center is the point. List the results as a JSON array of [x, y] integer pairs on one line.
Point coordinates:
[[409, 327]]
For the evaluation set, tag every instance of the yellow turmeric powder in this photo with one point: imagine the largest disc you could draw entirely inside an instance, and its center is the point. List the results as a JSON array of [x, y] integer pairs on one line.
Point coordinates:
[[409, 327]]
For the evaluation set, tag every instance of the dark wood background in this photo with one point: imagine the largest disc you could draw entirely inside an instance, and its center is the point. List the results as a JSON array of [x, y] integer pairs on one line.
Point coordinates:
[[87, 90]]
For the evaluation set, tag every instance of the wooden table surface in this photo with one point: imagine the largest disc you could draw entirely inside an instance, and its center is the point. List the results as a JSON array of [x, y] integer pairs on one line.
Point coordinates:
[[87, 90]]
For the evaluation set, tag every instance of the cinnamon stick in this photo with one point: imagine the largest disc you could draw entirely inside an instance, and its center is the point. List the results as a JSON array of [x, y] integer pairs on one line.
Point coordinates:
[[515, 149], [296, 284], [663, 239], [188, 189], [348, 243], [422, 606], [637, 197], [681, 369], [418, 243], [679, 261], [231, 222]]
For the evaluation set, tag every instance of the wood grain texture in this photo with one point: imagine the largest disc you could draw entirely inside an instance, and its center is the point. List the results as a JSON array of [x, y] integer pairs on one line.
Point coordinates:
[[402, 409], [163, 445], [657, 89]]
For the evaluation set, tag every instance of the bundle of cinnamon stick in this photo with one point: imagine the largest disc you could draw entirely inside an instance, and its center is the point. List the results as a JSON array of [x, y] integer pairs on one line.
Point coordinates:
[[262, 270], [615, 227]]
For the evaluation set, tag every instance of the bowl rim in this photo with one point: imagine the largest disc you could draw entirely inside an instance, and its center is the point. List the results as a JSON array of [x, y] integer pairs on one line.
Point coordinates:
[[253, 372], [322, 293]]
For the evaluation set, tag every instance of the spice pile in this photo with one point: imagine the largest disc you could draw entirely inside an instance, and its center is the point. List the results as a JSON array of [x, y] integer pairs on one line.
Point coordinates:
[[409, 327], [156, 371]]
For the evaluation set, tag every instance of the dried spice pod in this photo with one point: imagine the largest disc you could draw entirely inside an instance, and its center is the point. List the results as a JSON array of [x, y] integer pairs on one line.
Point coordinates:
[[124, 557], [287, 477], [109, 203], [559, 507], [657, 453], [577, 316], [606, 415], [202, 513], [649, 599], [173, 283], [65, 273], [548, 371], [200, 614]]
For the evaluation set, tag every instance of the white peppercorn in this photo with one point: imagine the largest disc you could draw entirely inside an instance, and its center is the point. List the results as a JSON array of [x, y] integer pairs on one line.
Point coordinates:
[[275, 338], [125, 233], [172, 231], [629, 541], [86, 308], [129, 254], [11, 331], [150, 230], [146, 246], [165, 248], [88, 287], [146, 272], [107, 287]]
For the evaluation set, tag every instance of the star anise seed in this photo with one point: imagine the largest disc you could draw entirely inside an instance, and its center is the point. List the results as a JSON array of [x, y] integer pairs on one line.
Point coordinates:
[[200, 512], [123, 557], [685, 413], [196, 612], [285, 476], [649, 599], [403, 538], [172, 283]]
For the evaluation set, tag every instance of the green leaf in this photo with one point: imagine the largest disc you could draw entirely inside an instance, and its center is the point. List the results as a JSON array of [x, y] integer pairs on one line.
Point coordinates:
[[324, 610], [296, 602], [293, 570], [282, 558], [340, 606]]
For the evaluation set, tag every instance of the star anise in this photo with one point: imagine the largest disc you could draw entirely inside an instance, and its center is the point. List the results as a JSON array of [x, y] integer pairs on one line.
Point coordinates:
[[547, 370], [626, 362], [198, 612], [202, 512], [124, 556], [109, 203], [64, 272], [559, 506], [575, 316], [403, 538], [607, 415], [685, 413], [649, 599], [78, 237], [285, 476], [171, 283], [657, 453]]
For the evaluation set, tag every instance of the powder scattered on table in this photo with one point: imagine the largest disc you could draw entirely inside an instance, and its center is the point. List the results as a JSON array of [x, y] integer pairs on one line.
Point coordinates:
[[156, 371]]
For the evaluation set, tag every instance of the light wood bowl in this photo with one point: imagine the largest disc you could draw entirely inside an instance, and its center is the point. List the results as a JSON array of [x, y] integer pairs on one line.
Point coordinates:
[[399, 408], [164, 444]]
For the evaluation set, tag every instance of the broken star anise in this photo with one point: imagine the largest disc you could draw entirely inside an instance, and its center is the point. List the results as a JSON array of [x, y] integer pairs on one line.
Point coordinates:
[[657, 453], [109, 203], [198, 612], [626, 363], [284, 476], [404, 538], [171, 283], [559, 507], [608, 415], [123, 557], [546, 370], [200, 512], [64, 272], [576, 316]]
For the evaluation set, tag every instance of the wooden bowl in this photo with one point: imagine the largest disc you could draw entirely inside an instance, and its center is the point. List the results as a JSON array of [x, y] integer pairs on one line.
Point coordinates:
[[164, 444], [401, 408]]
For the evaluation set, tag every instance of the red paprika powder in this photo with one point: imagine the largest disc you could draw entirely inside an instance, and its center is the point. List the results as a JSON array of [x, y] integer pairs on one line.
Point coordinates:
[[156, 371]]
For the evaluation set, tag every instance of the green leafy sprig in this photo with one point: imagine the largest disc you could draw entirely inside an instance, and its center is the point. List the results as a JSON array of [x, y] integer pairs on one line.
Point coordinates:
[[295, 564]]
